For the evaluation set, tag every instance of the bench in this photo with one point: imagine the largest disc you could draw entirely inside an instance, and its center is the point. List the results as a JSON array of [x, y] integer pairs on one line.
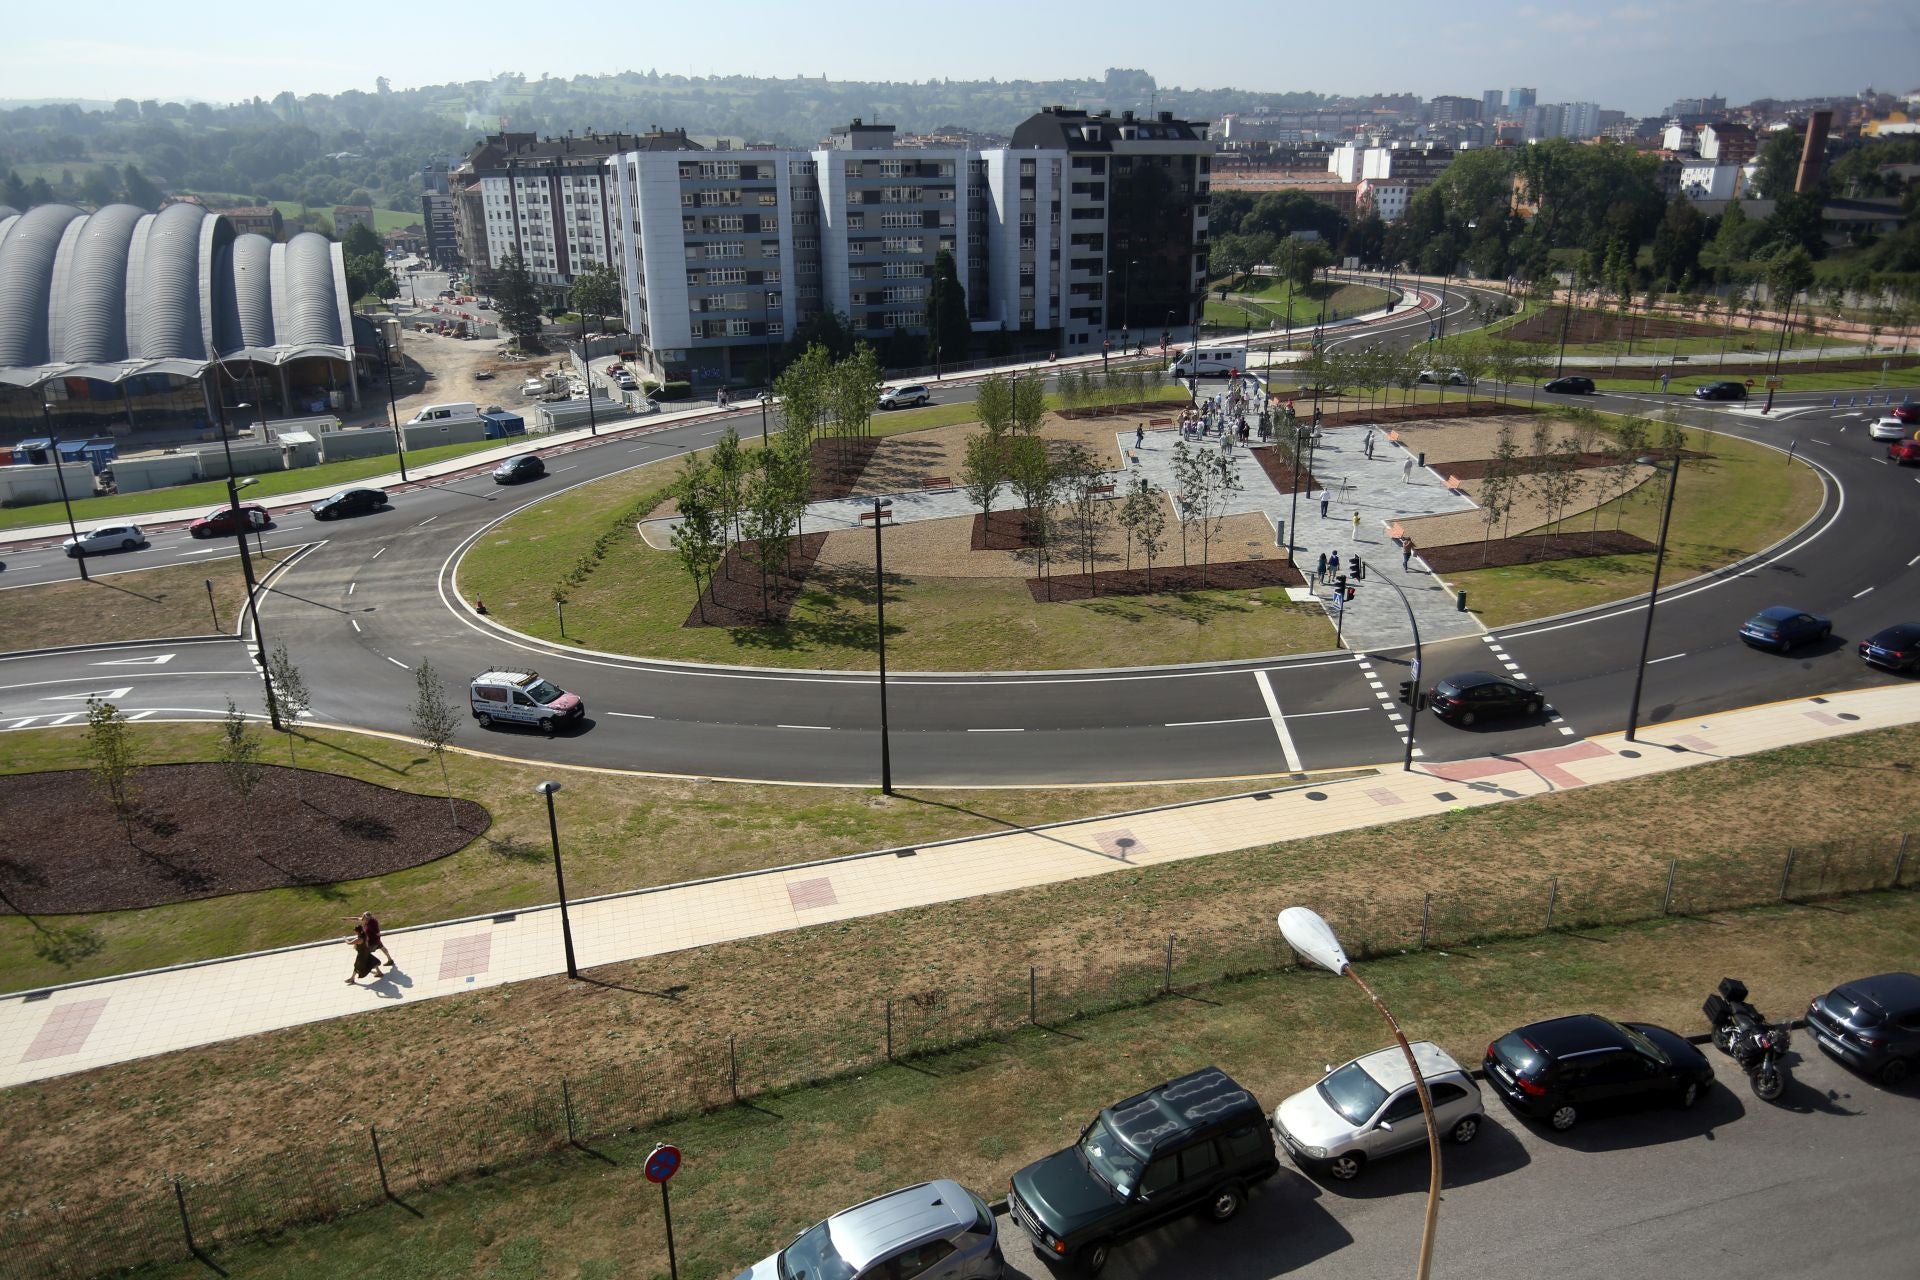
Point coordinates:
[[937, 482], [869, 513], [1101, 490]]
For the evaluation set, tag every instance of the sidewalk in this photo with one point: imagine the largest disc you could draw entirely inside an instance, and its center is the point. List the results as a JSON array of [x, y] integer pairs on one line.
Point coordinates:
[[65, 1029]]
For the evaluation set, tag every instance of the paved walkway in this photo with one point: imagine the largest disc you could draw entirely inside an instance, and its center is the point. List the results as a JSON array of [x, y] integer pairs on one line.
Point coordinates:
[[52, 1032]]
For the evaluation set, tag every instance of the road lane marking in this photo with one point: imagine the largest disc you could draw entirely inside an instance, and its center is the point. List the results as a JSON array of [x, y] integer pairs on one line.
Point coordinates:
[[153, 661], [396, 662], [629, 715], [1308, 715], [1279, 721], [424, 523], [351, 586], [1189, 724], [68, 718], [996, 731], [355, 622], [1669, 658], [1912, 562], [105, 695], [1858, 594], [382, 551], [804, 726], [140, 715]]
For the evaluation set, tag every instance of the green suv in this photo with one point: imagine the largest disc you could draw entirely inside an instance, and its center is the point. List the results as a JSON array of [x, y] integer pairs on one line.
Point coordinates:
[[1196, 1143]]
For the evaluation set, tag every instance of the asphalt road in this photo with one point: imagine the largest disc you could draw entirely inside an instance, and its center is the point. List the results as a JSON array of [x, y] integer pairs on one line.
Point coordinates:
[[1820, 1184], [376, 595]]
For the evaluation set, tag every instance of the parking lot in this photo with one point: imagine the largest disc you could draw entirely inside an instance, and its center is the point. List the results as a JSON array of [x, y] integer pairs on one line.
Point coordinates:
[[1818, 1184]]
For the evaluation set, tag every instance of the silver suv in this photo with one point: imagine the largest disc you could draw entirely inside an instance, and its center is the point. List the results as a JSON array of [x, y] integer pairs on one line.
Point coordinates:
[[1370, 1108], [905, 397], [936, 1229]]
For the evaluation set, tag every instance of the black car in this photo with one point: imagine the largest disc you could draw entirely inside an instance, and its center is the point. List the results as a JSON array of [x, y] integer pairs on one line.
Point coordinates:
[[1190, 1145], [1570, 386], [1783, 628], [522, 466], [1721, 391], [1872, 1025], [1566, 1068], [1472, 696], [349, 502], [1897, 648]]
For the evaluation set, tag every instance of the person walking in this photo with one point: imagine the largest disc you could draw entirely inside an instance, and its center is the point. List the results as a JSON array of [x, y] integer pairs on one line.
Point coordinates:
[[1325, 499], [364, 961], [1367, 444], [1356, 525], [1406, 551], [367, 925], [1140, 435], [1320, 570], [1406, 471], [1333, 565]]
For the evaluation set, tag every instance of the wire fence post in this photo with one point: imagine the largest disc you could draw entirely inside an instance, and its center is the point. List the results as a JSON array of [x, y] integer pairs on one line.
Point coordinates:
[[1553, 896], [733, 1070], [186, 1224], [1673, 869], [1900, 859], [1426, 919], [1166, 982], [889, 1031], [380, 1161], [1033, 995], [1786, 874], [566, 1101]]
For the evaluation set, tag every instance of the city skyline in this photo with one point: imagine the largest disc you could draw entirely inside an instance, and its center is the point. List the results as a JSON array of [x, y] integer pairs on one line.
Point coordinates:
[[1627, 56]]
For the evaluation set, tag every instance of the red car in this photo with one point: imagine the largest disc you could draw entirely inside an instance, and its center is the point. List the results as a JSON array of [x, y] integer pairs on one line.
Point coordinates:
[[224, 522], [1904, 451], [1904, 412]]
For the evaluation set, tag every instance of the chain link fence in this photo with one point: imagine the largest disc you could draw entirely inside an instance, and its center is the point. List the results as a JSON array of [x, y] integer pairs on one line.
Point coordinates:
[[189, 1215]]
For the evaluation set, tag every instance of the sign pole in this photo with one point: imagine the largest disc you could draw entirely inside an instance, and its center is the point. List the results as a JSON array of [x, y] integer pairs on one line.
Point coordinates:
[[666, 1211], [662, 1163]]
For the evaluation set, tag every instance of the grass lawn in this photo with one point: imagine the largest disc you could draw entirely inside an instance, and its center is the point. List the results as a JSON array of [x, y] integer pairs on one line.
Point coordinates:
[[384, 220], [622, 832], [1745, 497], [213, 493], [137, 605], [755, 1175], [1263, 299]]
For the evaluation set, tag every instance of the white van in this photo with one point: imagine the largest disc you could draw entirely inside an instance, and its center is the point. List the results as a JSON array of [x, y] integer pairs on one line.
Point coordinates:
[[465, 411], [1209, 362], [522, 697]]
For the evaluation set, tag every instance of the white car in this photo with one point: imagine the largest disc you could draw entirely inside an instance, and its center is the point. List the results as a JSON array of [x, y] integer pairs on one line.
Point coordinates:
[[1370, 1108], [902, 397], [108, 537], [1452, 377], [1890, 429], [533, 387]]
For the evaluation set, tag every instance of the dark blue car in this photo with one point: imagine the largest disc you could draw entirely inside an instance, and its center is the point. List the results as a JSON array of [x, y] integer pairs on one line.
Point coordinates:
[[1782, 628]]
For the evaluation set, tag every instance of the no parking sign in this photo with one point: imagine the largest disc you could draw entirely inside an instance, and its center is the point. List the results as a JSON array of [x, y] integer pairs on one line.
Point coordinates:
[[662, 1163]]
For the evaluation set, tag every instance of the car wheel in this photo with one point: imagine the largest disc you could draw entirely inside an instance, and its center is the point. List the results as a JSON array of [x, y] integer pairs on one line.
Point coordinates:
[[548, 727], [1092, 1260], [1466, 1131], [128, 544], [482, 719], [1536, 706], [1689, 1095], [1346, 1168], [1826, 632], [1895, 1073], [198, 534], [73, 553], [1465, 718], [1563, 1117], [1225, 1203]]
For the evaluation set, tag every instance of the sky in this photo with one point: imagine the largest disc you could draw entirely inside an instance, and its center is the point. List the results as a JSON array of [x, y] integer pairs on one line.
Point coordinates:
[[1636, 57]]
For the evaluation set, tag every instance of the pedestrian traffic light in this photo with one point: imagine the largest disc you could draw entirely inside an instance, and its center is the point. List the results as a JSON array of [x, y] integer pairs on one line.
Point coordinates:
[[1351, 591], [1406, 692]]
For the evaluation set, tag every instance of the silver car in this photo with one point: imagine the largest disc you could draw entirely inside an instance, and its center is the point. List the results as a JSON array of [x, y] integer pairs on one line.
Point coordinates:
[[1370, 1108], [1890, 428], [108, 537], [936, 1229]]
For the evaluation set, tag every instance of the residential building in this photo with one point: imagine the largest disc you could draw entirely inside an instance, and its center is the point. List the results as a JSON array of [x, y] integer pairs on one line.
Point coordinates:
[[1087, 227], [1726, 143], [1520, 100], [438, 210], [348, 216], [1383, 197], [1448, 107], [256, 220], [1580, 120], [1703, 179], [1492, 105], [1696, 110]]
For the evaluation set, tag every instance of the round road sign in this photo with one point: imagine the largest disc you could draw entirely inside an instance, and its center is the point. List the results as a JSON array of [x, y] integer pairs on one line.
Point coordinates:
[[1749, 381], [663, 1163]]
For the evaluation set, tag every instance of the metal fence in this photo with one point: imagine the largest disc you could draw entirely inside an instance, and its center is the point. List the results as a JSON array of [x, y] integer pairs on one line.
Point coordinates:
[[291, 1185]]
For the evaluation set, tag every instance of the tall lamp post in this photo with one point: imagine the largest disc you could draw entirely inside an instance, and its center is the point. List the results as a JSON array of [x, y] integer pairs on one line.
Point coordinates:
[[1659, 558], [1313, 938], [246, 561], [586, 355], [60, 478], [548, 789], [393, 416], [880, 509]]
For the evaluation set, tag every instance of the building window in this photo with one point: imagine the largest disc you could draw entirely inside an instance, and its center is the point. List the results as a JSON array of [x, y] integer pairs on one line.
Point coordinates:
[[718, 169], [852, 169], [902, 319], [719, 196], [776, 328], [806, 245], [739, 328], [769, 199], [890, 168]]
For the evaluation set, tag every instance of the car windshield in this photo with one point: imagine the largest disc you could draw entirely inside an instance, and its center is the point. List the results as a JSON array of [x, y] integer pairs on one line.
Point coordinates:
[[1111, 1161], [813, 1257], [544, 691], [1644, 1045], [1352, 1092]]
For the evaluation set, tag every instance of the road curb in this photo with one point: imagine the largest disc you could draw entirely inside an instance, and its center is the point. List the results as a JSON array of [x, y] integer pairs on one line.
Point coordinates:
[[105, 645]]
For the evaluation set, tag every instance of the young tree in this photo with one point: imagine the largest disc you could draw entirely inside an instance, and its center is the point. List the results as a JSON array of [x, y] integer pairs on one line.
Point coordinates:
[[1207, 482], [1081, 478], [290, 691], [1029, 404], [1031, 471], [949, 332], [434, 722], [112, 756], [852, 391], [1623, 465], [596, 291], [767, 523], [1471, 359], [993, 404], [726, 482], [981, 472], [700, 539], [1503, 361], [1145, 521], [804, 388], [517, 300], [238, 752], [1505, 471]]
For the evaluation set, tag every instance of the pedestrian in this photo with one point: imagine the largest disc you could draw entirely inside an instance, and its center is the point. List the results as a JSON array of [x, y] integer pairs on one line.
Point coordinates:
[[1663, 382], [1325, 498], [1406, 551], [1356, 525], [1406, 471], [1140, 435], [1320, 569], [1368, 442], [364, 962], [368, 925], [480, 606], [1333, 564]]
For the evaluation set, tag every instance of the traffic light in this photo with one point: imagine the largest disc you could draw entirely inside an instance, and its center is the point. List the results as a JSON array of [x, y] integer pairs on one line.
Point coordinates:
[[1340, 586], [1351, 591], [1406, 692]]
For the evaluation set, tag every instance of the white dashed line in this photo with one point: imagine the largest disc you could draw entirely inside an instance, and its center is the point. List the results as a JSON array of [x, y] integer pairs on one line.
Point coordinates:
[[382, 551], [351, 586], [140, 715], [808, 726], [424, 523], [355, 622], [1190, 724], [629, 715], [1279, 721], [996, 731], [396, 662], [1308, 715], [1858, 594], [1669, 658]]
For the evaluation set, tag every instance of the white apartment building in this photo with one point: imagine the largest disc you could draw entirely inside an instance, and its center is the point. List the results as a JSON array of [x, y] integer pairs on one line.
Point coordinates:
[[1386, 198]]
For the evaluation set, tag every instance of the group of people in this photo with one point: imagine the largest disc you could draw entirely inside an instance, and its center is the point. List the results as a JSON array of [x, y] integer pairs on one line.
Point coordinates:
[[366, 941]]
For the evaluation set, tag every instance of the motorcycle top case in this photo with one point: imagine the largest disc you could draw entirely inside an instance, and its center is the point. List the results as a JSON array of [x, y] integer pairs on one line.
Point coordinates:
[[1733, 989], [1716, 1010]]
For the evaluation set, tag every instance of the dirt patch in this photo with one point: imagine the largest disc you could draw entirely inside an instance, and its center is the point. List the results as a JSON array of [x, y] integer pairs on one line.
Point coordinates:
[[63, 849], [1477, 468], [734, 599], [1002, 531], [1234, 575], [1496, 552], [1279, 468]]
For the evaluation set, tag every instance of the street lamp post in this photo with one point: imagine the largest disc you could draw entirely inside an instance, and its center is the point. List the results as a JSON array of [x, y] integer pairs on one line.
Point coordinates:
[[880, 508], [1300, 437], [60, 478], [586, 355], [1313, 938], [766, 398], [246, 562], [393, 416], [1659, 559], [548, 789]]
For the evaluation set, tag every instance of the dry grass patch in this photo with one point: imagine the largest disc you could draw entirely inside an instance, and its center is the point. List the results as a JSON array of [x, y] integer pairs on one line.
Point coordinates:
[[139, 604]]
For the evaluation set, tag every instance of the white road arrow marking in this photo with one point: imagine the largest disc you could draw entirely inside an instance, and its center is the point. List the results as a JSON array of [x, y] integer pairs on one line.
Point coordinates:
[[156, 660], [105, 695]]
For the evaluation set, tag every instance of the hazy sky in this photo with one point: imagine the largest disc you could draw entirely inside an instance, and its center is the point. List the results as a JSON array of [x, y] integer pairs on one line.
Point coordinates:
[[1633, 56]]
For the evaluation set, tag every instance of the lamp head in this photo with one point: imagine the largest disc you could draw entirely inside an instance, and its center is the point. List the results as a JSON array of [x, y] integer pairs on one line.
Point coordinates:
[[547, 788], [1313, 938]]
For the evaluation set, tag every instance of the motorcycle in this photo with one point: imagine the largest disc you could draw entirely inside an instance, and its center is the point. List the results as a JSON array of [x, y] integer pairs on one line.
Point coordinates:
[[1743, 1033]]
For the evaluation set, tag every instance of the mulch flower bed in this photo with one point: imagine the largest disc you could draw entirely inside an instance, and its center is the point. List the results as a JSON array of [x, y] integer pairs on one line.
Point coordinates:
[[1603, 326], [1532, 549], [732, 599], [1003, 531], [190, 835], [1416, 412], [1231, 575], [1279, 468], [1475, 468]]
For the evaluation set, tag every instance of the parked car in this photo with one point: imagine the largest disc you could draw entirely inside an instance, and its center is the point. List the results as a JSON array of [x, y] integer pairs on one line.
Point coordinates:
[[905, 397], [1905, 412], [522, 697], [349, 502], [1564, 1069], [1721, 391], [1783, 628], [533, 387], [1872, 1025], [625, 381], [1472, 696], [1197, 1143], [1897, 648], [521, 466], [108, 537], [1890, 428], [227, 521], [1371, 1108], [1453, 377], [933, 1229], [1570, 386], [1901, 452]]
